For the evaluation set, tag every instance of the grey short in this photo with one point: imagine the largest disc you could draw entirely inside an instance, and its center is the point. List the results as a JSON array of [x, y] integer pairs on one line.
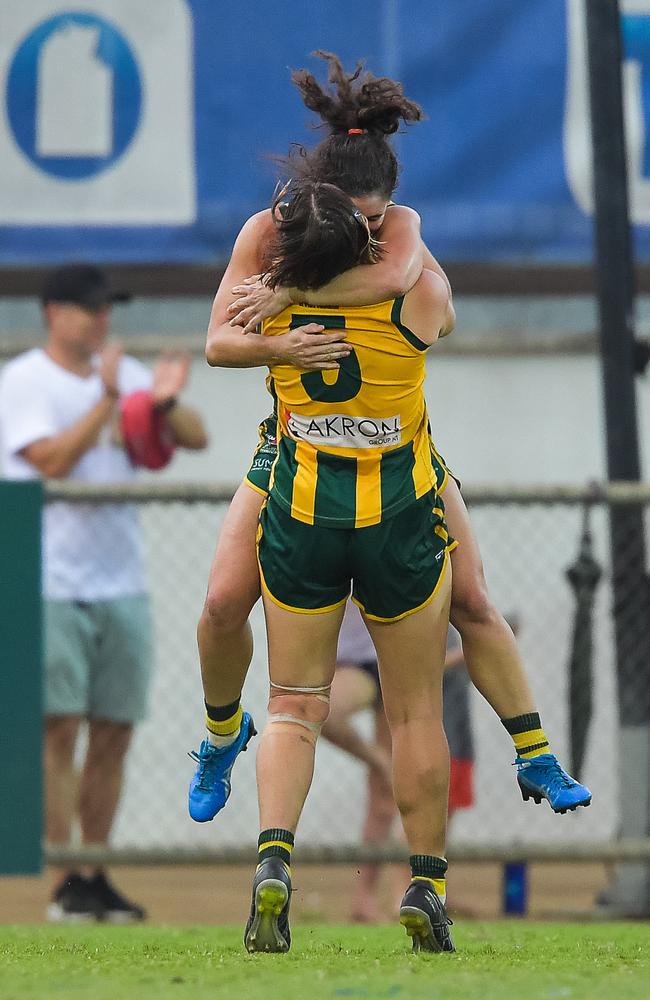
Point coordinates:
[[98, 658]]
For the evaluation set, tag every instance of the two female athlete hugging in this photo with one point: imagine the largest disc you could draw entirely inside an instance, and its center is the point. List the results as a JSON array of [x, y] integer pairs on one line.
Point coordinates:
[[345, 492]]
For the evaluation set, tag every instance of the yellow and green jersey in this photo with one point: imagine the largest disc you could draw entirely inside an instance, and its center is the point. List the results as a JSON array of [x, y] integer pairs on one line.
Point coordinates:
[[353, 444]]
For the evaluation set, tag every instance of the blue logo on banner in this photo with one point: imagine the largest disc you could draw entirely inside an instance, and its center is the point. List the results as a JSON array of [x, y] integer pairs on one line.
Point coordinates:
[[74, 96]]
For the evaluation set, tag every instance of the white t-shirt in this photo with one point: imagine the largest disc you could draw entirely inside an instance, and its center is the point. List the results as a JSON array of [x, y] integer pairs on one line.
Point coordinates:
[[91, 552]]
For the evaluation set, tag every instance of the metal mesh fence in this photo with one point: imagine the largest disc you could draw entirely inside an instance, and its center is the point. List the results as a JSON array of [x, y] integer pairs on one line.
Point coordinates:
[[528, 539]]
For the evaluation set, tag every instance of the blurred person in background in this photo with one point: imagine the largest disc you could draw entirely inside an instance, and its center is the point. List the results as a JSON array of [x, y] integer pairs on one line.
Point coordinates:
[[356, 688], [360, 113], [78, 409]]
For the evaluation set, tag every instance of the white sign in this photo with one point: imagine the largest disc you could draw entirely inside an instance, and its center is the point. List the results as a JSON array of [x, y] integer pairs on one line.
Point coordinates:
[[66, 125], [97, 121]]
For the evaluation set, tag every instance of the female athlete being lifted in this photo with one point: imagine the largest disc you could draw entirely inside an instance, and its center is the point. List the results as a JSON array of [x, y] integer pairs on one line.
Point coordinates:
[[360, 113]]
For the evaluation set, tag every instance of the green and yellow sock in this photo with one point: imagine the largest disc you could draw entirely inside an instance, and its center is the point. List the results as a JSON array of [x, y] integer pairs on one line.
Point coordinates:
[[428, 868], [223, 723], [275, 843], [527, 734]]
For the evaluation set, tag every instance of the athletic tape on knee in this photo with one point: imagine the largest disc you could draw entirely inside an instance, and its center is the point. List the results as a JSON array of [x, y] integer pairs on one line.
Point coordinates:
[[290, 692], [321, 693], [313, 727]]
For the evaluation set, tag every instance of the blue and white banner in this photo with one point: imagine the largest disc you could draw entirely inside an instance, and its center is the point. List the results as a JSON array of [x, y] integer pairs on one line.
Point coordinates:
[[143, 130], [99, 126]]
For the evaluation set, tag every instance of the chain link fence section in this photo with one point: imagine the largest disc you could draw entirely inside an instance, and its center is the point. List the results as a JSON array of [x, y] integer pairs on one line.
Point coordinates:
[[529, 538]]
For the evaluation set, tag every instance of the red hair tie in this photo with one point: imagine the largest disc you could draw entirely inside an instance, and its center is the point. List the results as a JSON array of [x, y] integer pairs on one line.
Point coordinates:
[[356, 131]]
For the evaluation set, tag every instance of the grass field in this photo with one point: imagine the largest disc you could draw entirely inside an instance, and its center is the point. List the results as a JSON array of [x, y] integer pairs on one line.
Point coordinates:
[[495, 961]]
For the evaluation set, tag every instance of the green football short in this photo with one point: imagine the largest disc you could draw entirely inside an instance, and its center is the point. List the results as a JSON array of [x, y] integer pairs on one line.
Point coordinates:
[[395, 567], [259, 473], [98, 658], [264, 456]]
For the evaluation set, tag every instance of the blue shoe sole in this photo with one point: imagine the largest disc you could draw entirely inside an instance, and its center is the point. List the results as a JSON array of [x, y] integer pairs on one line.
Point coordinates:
[[527, 793]]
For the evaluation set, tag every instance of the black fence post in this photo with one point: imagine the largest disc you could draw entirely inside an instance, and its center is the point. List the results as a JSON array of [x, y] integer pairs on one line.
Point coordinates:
[[630, 892]]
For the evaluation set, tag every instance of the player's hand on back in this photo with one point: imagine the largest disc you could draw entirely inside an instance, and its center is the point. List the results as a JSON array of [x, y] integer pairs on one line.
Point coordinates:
[[310, 348], [255, 302]]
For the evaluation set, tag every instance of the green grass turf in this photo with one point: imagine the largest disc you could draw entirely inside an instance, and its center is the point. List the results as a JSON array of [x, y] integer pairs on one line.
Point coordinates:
[[495, 961]]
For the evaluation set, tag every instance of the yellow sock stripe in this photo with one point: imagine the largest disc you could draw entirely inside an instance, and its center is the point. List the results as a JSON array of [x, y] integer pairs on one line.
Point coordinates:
[[529, 738], [439, 884], [275, 843], [224, 727]]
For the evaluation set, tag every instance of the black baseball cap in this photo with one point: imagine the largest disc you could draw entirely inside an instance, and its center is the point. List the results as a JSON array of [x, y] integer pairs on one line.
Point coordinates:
[[83, 285]]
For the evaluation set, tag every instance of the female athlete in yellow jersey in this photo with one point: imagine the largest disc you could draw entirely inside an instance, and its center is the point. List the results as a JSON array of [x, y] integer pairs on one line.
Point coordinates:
[[353, 502], [360, 114]]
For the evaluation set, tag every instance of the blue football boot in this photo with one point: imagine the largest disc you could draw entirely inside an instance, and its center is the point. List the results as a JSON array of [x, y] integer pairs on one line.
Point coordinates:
[[543, 778], [210, 784], [267, 928]]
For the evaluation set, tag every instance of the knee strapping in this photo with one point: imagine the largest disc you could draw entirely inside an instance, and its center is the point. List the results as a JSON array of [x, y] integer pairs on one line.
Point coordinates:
[[307, 707]]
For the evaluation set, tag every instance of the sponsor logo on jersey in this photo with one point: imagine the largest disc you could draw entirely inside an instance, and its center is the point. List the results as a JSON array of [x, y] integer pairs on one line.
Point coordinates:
[[338, 430]]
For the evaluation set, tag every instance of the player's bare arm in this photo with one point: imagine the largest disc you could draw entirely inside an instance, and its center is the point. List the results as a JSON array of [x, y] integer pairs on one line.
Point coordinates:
[[393, 275], [231, 347], [426, 307], [431, 264]]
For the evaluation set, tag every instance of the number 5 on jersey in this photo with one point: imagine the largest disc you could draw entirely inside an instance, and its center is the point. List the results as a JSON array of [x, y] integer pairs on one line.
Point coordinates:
[[348, 382]]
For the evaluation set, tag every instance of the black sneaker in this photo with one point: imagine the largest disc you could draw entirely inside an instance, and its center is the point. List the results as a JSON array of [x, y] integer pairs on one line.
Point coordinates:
[[423, 915], [267, 928], [115, 908], [74, 902]]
